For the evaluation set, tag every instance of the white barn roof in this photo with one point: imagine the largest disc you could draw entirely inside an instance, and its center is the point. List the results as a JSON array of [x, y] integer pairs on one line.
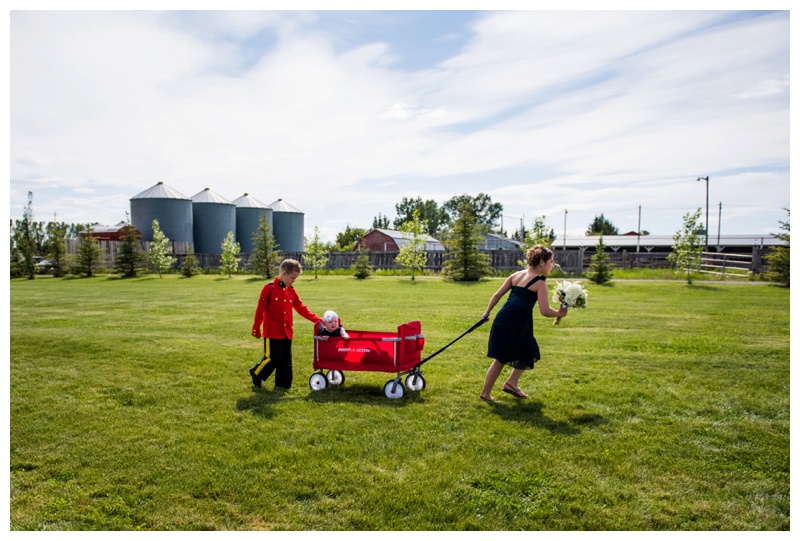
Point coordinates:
[[397, 236], [630, 241]]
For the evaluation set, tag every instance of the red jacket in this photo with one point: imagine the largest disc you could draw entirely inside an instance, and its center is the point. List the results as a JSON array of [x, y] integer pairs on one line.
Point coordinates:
[[274, 311]]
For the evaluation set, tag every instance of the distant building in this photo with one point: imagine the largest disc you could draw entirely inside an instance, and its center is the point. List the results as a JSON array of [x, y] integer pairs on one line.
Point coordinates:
[[389, 240], [664, 243], [110, 232], [493, 241]]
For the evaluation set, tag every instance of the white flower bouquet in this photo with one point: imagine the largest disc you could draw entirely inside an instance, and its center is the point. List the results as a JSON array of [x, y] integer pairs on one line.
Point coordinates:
[[569, 295]]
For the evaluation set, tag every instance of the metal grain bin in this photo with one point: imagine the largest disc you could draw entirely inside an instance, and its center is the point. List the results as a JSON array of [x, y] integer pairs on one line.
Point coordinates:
[[248, 217], [288, 225], [213, 217], [172, 209]]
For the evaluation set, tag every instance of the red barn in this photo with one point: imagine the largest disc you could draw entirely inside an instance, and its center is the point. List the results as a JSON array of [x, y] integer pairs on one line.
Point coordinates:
[[110, 232], [388, 240]]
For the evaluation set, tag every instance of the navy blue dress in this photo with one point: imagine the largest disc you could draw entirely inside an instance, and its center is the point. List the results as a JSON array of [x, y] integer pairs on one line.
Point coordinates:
[[511, 339]]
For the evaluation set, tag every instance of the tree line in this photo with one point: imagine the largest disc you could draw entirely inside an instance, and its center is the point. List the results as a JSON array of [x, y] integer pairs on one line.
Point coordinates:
[[459, 223]]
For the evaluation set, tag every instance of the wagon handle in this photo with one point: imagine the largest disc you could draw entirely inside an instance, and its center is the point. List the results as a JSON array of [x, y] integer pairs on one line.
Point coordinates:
[[432, 355]]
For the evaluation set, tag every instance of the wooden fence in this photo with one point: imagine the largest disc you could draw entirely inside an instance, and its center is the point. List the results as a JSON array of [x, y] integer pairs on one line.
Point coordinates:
[[727, 264], [574, 260]]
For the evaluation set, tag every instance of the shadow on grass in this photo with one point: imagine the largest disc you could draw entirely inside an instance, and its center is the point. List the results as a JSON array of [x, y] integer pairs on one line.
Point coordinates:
[[530, 411], [260, 402], [370, 395]]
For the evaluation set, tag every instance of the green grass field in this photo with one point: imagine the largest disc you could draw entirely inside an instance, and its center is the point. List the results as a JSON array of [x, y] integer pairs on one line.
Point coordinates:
[[662, 406]]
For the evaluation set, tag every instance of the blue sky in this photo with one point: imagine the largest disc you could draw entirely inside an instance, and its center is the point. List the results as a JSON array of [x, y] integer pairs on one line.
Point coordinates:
[[342, 113]]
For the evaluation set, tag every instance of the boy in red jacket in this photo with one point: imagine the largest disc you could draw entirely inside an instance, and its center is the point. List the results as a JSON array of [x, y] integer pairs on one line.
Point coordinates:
[[273, 320]]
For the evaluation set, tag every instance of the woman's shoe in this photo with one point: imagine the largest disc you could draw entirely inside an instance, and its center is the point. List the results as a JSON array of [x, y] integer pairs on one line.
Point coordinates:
[[515, 391]]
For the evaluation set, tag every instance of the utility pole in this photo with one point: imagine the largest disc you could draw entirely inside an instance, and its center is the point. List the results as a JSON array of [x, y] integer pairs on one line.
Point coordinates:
[[706, 179], [719, 223], [565, 229], [639, 230]]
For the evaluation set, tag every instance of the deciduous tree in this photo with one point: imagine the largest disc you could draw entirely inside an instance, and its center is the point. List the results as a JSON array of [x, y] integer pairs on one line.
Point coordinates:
[[486, 214], [316, 253], [229, 260], [688, 245], [160, 259], [413, 255]]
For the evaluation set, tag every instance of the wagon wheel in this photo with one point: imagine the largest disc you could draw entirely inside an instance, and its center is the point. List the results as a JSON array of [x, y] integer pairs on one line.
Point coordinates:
[[415, 382], [394, 389], [317, 381], [335, 377]]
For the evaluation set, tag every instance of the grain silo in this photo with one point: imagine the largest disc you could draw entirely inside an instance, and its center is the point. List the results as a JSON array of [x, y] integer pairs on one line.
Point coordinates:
[[288, 226], [172, 209], [213, 217], [248, 218]]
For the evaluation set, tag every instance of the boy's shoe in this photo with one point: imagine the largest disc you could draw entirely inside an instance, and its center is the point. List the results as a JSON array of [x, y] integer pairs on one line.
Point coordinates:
[[256, 379]]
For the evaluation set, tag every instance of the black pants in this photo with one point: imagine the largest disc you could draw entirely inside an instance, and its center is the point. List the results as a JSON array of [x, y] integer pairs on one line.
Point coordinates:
[[280, 362]]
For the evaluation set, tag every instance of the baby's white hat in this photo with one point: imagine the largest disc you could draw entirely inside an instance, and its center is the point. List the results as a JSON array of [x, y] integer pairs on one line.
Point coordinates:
[[330, 315]]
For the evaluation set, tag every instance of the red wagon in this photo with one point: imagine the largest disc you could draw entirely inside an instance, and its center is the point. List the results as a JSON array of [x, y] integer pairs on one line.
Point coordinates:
[[370, 351]]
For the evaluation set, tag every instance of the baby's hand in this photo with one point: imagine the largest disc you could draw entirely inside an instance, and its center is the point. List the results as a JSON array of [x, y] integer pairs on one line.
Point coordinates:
[[345, 335]]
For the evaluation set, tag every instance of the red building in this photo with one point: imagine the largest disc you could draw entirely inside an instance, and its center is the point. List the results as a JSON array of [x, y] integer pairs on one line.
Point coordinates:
[[110, 232], [388, 240]]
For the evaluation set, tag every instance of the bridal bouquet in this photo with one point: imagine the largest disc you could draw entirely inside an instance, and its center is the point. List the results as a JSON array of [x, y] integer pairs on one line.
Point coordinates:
[[570, 295]]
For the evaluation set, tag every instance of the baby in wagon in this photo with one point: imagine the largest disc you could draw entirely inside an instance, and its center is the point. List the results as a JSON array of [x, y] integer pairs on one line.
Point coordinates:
[[331, 325]]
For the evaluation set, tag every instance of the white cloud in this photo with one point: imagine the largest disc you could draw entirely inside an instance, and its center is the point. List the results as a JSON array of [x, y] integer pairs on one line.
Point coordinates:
[[611, 109]]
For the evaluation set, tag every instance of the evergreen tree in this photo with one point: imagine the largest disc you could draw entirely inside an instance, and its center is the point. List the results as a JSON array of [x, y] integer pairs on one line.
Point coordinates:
[[380, 222], [190, 267], [56, 248], [316, 253], [413, 254], [467, 263], [362, 267], [601, 226], [688, 246], [266, 256], [778, 259], [599, 270], [229, 262], [89, 255], [130, 257], [160, 259]]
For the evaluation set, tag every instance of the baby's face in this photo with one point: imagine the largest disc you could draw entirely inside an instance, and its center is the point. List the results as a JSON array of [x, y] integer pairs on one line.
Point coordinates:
[[331, 325]]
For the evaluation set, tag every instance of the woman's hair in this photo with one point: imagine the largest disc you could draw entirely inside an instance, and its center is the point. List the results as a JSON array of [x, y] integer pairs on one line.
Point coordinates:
[[329, 316], [538, 254]]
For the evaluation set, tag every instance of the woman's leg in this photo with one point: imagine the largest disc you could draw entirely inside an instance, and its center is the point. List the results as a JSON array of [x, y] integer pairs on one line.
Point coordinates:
[[491, 377], [513, 382]]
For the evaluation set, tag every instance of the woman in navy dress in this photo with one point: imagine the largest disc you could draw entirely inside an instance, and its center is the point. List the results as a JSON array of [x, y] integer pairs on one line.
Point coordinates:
[[511, 340]]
